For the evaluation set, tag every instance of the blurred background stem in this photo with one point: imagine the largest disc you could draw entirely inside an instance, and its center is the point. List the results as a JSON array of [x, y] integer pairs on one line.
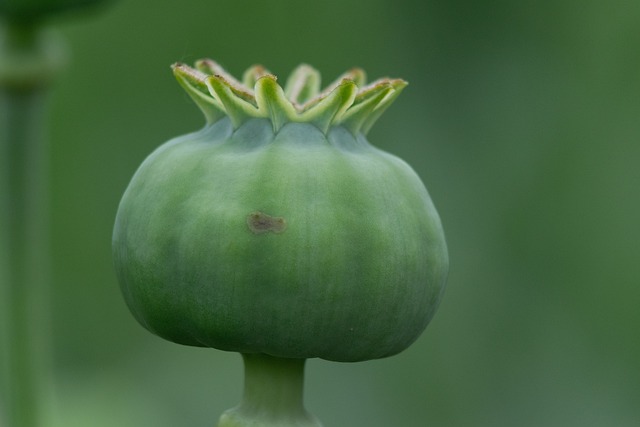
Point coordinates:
[[27, 62]]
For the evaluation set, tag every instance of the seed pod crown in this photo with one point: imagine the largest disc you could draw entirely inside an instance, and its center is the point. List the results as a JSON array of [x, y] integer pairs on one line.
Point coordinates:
[[348, 101]]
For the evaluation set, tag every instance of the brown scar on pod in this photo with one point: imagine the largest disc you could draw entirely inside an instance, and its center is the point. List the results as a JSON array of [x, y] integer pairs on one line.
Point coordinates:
[[260, 222]]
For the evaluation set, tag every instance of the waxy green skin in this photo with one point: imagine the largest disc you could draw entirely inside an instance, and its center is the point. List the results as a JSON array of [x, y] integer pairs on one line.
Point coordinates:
[[355, 274]]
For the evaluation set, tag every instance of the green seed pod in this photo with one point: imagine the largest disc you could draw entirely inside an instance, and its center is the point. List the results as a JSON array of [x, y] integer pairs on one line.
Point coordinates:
[[278, 228]]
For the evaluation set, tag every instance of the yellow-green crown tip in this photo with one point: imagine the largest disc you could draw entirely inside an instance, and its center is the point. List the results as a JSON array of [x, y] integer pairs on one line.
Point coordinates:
[[348, 101]]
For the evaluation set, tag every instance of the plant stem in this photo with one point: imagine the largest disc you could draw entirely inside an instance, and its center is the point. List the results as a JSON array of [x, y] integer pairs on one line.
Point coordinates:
[[23, 227], [273, 395]]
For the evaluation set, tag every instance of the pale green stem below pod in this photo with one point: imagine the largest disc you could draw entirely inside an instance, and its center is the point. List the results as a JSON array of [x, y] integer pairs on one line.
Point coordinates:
[[273, 395]]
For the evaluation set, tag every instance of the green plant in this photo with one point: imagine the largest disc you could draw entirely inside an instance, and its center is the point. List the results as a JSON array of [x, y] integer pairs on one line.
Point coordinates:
[[33, 11], [29, 59], [279, 232]]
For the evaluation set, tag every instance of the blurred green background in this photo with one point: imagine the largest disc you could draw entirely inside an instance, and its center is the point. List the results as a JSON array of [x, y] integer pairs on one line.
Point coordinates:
[[522, 118]]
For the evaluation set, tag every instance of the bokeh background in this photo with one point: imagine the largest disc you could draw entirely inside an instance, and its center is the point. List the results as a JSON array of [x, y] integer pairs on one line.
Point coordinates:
[[523, 120]]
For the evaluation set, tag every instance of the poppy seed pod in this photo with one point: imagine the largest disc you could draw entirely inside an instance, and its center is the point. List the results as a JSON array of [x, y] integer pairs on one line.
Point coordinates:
[[278, 229]]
